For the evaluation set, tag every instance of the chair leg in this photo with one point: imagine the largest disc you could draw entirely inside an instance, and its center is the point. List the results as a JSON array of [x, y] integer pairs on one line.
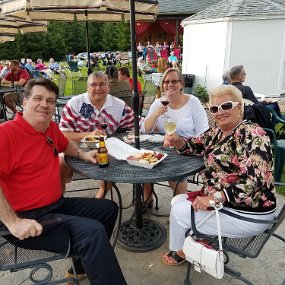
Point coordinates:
[[187, 276], [237, 275]]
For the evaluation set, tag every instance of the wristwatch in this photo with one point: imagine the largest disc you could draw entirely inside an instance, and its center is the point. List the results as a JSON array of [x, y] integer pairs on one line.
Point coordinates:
[[218, 197]]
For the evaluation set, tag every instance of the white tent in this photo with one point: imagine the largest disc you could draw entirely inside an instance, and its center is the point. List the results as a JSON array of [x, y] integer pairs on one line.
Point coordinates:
[[234, 32]]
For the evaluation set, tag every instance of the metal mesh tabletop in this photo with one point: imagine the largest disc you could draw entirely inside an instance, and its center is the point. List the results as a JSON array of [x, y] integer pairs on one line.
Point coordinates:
[[173, 167]]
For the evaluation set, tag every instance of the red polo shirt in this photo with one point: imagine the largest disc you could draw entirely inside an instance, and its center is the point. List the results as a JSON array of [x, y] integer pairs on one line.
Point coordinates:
[[21, 74], [29, 171]]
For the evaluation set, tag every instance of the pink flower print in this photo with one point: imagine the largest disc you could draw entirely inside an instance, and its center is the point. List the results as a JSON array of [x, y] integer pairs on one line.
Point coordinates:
[[267, 203], [248, 201], [232, 177]]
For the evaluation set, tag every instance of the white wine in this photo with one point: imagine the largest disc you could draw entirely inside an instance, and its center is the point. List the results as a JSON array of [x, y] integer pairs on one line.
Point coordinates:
[[169, 127]]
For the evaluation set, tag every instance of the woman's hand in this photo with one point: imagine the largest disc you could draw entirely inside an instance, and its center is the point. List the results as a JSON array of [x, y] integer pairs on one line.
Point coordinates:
[[202, 202], [161, 110]]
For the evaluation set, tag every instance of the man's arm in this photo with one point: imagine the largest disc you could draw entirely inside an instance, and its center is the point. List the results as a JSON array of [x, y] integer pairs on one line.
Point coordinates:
[[21, 82], [6, 81], [18, 227], [73, 150]]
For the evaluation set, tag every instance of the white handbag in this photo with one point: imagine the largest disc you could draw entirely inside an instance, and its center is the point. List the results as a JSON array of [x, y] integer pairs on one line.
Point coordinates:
[[204, 257]]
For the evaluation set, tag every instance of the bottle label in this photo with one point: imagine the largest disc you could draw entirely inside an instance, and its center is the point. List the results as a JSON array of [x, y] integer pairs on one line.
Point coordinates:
[[103, 158]]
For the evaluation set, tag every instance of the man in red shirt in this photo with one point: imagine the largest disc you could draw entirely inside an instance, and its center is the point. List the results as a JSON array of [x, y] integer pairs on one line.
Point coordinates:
[[16, 77], [124, 74], [30, 191]]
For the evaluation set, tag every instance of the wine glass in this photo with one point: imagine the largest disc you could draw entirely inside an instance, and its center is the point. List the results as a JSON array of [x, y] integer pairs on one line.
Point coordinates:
[[104, 123], [170, 126], [164, 101]]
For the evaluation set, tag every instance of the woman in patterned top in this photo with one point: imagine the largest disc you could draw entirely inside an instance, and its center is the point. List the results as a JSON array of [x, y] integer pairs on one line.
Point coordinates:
[[238, 173]]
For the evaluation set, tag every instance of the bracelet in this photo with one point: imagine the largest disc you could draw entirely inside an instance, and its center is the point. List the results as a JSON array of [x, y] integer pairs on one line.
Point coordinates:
[[183, 147]]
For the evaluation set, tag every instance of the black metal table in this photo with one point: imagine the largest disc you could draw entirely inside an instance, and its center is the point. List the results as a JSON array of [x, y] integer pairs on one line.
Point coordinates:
[[139, 234]]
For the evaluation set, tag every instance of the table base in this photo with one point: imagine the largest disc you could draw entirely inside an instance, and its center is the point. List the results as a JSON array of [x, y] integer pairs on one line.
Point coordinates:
[[151, 236]]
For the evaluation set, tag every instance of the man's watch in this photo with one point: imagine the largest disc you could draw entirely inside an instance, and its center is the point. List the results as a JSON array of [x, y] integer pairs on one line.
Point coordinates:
[[218, 197]]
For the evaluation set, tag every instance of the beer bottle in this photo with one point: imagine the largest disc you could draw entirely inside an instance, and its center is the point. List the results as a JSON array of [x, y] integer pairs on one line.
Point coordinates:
[[103, 159]]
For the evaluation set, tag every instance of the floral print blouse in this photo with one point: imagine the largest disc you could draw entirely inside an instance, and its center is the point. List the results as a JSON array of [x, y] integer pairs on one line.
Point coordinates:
[[240, 165]]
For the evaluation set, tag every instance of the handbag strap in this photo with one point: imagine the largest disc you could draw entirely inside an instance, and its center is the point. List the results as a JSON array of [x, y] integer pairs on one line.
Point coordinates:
[[217, 207]]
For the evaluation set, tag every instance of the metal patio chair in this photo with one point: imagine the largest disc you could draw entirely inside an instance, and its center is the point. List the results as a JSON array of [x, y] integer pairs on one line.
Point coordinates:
[[14, 259], [278, 147]]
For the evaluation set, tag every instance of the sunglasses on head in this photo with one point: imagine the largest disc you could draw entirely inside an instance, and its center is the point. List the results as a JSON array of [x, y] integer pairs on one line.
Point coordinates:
[[229, 105]]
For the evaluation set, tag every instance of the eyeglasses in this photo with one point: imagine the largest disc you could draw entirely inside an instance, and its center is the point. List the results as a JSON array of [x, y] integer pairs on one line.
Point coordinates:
[[51, 144], [100, 85], [229, 105], [173, 82]]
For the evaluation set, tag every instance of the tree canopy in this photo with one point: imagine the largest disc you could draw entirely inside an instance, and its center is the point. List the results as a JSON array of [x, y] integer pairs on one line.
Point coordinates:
[[65, 37]]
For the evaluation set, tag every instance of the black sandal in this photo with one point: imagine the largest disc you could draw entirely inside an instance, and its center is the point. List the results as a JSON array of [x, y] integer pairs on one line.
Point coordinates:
[[178, 259]]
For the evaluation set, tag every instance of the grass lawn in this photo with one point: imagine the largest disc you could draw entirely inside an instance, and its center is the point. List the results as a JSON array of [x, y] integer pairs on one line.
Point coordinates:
[[84, 70]]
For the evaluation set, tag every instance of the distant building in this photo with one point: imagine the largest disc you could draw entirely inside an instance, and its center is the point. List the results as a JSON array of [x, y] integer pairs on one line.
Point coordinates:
[[233, 32], [167, 26]]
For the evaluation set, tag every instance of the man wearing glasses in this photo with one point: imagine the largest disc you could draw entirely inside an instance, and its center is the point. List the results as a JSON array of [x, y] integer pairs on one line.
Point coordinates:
[[30, 191], [237, 75], [82, 116]]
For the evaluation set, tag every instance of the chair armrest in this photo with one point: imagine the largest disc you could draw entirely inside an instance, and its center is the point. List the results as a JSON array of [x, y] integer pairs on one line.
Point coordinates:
[[43, 223]]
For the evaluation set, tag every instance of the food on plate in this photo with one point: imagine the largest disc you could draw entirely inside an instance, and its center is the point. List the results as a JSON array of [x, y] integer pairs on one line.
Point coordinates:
[[92, 139], [146, 157]]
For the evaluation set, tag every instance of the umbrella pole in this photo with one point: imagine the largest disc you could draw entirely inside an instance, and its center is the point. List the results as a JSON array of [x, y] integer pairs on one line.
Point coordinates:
[[88, 43], [136, 97]]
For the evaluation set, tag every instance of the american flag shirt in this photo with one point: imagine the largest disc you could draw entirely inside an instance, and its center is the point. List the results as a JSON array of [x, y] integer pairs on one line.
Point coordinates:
[[80, 115]]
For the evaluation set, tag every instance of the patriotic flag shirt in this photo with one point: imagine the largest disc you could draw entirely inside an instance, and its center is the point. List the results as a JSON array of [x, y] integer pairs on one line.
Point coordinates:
[[80, 115]]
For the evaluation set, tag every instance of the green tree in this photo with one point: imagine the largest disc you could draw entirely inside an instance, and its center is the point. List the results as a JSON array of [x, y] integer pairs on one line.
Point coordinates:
[[109, 37], [123, 36]]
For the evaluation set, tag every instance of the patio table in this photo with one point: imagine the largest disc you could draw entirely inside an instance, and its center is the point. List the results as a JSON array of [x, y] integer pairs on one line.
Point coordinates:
[[138, 233]]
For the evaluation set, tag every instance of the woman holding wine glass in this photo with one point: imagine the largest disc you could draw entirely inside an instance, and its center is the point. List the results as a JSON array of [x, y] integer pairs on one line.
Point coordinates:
[[188, 112]]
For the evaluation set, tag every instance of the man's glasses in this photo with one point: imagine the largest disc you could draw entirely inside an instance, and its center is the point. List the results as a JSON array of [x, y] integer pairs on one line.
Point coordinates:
[[51, 144], [173, 82], [229, 105], [100, 85]]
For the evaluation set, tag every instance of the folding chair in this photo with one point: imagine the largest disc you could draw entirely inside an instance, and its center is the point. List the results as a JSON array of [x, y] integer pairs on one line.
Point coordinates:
[[60, 103], [242, 247], [150, 92], [124, 58], [74, 69], [278, 146], [79, 85], [61, 84], [14, 258]]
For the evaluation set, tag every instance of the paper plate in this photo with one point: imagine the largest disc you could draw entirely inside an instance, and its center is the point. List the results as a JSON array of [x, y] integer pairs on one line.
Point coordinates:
[[156, 138]]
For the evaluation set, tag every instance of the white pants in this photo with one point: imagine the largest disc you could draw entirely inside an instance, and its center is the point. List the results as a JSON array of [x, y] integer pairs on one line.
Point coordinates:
[[180, 222]]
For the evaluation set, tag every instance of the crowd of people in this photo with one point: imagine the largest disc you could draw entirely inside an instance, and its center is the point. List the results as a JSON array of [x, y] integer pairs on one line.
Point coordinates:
[[237, 157]]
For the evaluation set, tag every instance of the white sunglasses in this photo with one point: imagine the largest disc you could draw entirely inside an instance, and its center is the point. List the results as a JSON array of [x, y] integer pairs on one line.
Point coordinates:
[[229, 105]]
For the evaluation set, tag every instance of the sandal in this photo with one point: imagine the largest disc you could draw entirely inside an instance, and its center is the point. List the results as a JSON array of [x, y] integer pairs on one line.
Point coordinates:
[[178, 260]]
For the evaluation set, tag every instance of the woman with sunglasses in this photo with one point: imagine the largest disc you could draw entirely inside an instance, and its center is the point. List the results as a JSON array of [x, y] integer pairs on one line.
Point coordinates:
[[188, 112], [238, 173]]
